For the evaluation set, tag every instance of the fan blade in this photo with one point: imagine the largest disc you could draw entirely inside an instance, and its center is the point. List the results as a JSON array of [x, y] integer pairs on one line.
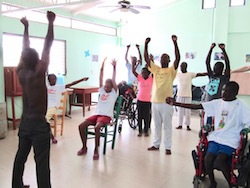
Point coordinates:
[[140, 6], [114, 10], [133, 10]]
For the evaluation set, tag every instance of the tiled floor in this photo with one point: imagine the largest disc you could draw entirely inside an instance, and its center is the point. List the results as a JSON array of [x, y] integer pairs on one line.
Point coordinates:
[[129, 165]]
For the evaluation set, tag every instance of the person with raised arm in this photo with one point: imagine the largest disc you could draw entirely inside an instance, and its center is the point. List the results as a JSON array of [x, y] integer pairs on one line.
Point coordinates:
[[216, 77], [34, 131], [242, 69], [231, 116], [145, 81], [104, 110], [163, 78], [131, 78]]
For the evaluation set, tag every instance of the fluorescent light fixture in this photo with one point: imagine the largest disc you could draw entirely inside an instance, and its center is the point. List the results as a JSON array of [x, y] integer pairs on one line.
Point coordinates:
[[208, 4], [234, 3]]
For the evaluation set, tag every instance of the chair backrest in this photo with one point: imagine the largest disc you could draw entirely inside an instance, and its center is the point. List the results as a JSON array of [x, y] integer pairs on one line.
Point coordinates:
[[63, 104], [117, 107]]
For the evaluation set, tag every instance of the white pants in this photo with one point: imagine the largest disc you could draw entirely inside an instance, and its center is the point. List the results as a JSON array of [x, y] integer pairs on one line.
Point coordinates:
[[184, 111], [162, 115]]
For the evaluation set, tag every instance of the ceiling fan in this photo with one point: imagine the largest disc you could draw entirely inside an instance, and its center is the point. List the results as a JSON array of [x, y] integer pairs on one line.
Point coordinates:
[[126, 6]]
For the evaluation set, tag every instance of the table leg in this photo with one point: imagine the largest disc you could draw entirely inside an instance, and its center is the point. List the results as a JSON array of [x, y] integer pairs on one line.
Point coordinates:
[[83, 103]]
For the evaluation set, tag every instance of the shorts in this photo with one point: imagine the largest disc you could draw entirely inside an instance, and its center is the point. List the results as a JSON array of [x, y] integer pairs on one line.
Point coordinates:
[[99, 118], [216, 148]]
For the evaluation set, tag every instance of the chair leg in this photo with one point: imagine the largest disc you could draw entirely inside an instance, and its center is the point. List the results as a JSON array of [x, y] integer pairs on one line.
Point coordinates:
[[105, 139], [114, 136], [62, 128], [55, 125]]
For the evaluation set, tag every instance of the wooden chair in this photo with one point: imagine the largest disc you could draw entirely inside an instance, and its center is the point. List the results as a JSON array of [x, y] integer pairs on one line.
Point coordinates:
[[60, 115], [109, 130]]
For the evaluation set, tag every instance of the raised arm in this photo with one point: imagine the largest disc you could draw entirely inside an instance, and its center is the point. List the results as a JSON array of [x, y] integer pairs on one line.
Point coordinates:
[[242, 69], [140, 57], [171, 102], [227, 70], [43, 66], [146, 57], [177, 52], [126, 55], [209, 70], [134, 66], [26, 40], [101, 72], [113, 62], [76, 82]]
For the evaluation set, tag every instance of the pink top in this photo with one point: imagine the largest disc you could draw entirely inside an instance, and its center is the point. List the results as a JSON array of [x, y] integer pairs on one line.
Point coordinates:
[[145, 87]]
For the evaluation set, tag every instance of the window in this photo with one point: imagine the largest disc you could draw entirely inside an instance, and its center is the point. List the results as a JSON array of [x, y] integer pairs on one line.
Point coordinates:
[[12, 48], [206, 4], [40, 17], [234, 3]]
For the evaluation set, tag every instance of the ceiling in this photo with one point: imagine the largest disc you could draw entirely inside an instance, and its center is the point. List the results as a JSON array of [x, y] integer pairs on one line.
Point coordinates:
[[93, 8]]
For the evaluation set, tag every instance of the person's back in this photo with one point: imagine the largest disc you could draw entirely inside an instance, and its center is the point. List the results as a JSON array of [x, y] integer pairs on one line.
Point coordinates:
[[34, 131], [34, 94]]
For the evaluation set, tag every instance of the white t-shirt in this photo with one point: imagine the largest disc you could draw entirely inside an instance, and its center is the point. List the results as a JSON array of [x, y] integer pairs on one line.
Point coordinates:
[[230, 118], [106, 103], [184, 83], [54, 95]]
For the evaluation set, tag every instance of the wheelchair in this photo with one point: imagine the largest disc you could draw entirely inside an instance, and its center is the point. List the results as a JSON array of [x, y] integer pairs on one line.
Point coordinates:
[[129, 106], [240, 163]]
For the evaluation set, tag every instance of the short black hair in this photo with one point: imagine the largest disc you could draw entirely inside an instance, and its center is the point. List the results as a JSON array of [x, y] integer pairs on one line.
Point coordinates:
[[234, 87]]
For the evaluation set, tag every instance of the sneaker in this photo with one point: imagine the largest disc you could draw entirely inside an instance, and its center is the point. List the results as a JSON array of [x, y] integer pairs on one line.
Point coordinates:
[[168, 152], [179, 127], [152, 148], [188, 128]]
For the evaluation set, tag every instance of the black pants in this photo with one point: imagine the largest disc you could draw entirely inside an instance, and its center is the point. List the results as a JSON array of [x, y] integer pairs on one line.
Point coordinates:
[[34, 133], [144, 109]]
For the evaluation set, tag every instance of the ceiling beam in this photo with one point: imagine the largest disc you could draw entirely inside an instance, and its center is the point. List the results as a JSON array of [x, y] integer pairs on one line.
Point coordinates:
[[51, 6]]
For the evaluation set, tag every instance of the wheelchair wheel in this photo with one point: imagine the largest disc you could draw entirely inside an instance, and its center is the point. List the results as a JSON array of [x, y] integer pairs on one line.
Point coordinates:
[[133, 116], [196, 182]]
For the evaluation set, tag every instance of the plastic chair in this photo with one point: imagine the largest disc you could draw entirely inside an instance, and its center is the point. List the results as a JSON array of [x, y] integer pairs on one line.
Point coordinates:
[[109, 130], [60, 115]]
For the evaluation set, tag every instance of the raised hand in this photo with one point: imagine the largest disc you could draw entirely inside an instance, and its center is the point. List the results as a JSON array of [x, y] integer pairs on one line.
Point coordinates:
[[113, 62], [170, 101], [25, 21], [147, 40], [51, 16], [222, 46], [213, 45], [128, 46], [174, 38]]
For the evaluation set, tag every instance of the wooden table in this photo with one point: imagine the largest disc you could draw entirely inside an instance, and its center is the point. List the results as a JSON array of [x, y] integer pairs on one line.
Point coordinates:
[[83, 94]]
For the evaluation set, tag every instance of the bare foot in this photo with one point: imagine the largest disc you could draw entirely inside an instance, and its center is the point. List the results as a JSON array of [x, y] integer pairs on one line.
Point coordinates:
[[96, 155], [82, 151]]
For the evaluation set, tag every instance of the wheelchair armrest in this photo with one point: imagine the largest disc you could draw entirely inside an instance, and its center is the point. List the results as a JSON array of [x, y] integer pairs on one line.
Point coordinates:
[[245, 131]]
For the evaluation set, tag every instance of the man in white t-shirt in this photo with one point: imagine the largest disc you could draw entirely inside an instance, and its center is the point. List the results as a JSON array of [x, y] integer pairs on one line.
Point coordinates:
[[231, 116], [104, 110], [184, 93], [131, 78], [54, 97]]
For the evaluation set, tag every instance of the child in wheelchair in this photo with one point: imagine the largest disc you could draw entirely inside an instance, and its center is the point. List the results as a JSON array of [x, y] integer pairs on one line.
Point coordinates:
[[231, 116]]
